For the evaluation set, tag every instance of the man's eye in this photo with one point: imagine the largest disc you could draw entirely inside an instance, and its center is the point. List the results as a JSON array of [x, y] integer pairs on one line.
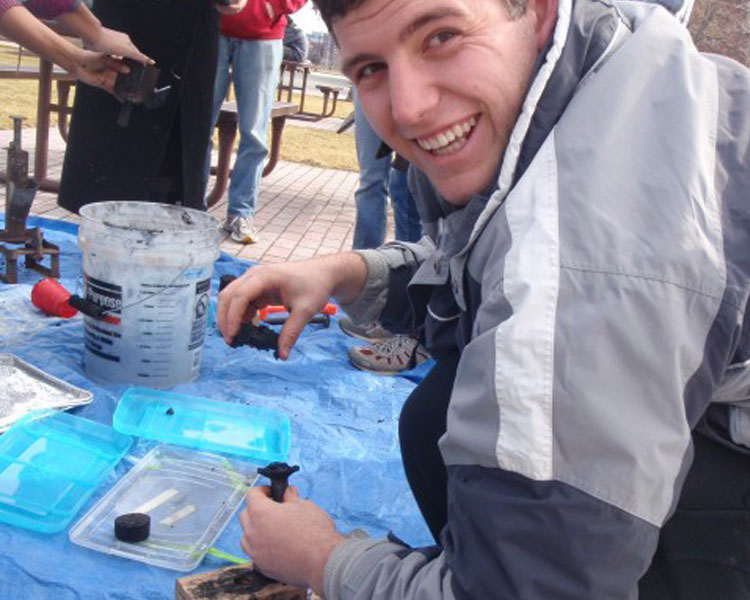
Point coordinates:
[[369, 70], [440, 38]]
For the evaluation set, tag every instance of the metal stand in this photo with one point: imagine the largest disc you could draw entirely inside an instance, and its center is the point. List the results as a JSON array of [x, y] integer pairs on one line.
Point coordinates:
[[19, 196]]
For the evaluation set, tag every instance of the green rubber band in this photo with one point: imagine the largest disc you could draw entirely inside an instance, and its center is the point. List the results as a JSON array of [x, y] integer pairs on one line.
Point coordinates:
[[226, 556]]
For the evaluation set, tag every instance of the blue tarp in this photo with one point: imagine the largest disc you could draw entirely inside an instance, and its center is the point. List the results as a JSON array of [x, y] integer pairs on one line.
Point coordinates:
[[344, 437]]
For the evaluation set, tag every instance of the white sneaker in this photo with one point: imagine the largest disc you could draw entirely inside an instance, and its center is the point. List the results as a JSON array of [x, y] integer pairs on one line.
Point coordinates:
[[389, 356], [242, 229]]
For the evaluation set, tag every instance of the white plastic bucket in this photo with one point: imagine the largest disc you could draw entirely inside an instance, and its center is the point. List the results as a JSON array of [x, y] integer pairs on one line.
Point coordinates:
[[150, 266]]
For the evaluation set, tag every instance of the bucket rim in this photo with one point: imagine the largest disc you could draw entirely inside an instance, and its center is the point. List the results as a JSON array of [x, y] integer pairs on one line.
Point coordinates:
[[204, 222]]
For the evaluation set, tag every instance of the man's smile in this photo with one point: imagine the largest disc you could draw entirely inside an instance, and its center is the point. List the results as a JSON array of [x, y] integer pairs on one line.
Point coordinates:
[[449, 140]]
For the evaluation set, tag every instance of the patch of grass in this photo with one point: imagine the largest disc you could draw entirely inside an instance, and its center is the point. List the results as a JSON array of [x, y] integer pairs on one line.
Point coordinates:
[[320, 148], [18, 98]]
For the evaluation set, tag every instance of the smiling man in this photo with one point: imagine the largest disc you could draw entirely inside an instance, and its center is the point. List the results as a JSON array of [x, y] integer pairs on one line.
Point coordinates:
[[582, 173]]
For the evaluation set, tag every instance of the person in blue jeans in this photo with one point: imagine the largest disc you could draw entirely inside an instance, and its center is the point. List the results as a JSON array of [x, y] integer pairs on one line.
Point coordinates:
[[251, 43], [380, 176]]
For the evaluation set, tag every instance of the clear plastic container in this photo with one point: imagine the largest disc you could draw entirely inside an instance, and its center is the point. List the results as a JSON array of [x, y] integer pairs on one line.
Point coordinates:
[[254, 432], [190, 497], [50, 466]]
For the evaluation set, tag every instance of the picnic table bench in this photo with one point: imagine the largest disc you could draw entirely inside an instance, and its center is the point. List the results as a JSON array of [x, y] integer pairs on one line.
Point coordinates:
[[288, 83]]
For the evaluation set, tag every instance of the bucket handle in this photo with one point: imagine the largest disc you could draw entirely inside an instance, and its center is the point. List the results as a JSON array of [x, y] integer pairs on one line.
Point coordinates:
[[155, 294]]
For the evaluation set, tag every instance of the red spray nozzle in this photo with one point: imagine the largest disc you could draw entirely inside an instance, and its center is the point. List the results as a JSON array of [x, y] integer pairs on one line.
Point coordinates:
[[51, 297]]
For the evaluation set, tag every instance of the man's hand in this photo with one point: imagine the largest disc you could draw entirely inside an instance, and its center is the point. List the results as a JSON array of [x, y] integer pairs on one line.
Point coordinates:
[[116, 43], [232, 8], [289, 541], [99, 70], [302, 287]]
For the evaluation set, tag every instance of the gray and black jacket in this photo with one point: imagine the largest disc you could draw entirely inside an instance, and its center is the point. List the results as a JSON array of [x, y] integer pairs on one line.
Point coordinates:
[[598, 298]]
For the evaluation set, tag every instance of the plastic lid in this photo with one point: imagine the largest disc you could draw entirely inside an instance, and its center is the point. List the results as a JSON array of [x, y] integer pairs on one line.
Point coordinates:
[[50, 466], [254, 432]]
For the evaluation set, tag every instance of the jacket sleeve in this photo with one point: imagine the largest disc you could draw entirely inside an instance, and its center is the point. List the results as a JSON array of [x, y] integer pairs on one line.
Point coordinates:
[[389, 269], [580, 532]]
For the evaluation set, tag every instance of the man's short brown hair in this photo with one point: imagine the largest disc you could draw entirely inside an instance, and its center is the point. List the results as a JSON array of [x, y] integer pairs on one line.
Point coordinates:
[[333, 9]]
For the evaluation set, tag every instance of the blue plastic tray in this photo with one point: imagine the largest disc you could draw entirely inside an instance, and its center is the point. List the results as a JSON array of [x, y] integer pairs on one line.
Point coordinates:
[[254, 432], [50, 466]]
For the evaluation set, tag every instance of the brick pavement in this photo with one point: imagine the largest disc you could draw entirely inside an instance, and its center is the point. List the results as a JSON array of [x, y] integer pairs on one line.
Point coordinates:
[[303, 211]]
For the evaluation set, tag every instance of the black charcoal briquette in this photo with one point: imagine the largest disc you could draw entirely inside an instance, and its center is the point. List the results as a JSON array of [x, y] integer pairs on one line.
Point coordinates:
[[132, 527]]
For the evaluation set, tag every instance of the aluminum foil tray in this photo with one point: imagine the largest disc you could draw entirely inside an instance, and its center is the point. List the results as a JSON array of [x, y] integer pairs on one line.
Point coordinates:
[[24, 388]]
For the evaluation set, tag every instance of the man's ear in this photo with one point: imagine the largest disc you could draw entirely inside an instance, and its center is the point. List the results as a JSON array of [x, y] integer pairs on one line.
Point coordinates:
[[545, 12]]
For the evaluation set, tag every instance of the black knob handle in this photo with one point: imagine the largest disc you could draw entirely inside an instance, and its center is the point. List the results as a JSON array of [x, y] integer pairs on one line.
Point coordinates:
[[278, 473], [225, 280]]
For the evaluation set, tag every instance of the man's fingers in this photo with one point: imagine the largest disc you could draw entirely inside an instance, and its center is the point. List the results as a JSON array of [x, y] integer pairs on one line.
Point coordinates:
[[291, 494], [245, 546], [258, 492], [234, 301], [221, 309], [291, 330]]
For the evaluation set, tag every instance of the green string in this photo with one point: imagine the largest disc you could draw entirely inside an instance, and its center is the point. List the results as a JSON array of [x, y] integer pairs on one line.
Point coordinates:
[[233, 559], [192, 550]]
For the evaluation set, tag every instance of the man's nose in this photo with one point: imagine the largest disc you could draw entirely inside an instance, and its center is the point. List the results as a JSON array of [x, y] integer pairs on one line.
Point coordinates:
[[413, 94]]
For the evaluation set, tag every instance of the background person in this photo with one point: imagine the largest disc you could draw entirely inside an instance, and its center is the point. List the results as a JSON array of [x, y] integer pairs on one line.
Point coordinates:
[[379, 177], [158, 156], [581, 173], [296, 44], [250, 51]]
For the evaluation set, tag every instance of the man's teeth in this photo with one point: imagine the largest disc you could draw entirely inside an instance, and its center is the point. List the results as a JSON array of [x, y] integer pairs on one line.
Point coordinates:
[[444, 138]]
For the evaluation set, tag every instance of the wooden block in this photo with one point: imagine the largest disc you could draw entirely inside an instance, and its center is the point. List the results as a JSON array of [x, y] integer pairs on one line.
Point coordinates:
[[235, 583]]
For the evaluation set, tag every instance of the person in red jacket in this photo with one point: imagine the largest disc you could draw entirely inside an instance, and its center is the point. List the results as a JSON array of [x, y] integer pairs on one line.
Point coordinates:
[[251, 43]]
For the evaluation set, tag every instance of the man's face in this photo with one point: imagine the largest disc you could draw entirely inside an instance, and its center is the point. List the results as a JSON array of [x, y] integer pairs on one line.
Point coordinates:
[[441, 81]]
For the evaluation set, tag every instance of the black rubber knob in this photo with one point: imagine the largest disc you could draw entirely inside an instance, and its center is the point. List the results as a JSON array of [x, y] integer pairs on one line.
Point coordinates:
[[278, 473], [225, 280], [132, 527]]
